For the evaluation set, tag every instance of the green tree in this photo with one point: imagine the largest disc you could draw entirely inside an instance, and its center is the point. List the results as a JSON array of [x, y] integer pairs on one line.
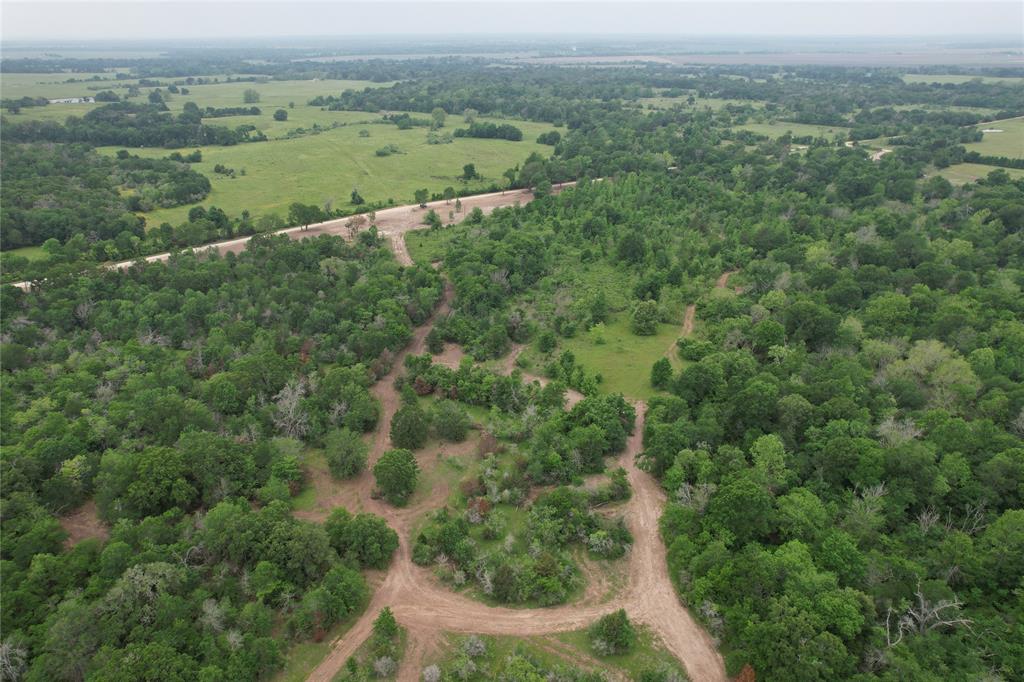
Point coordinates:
[[365, 538], [661, 373], [421, 196], [612, 634], [396, 473], [451, 421], [281, 115], [437, 117], [409, 427], [250, 96], [345, 453], [469, 172], [645, 318]]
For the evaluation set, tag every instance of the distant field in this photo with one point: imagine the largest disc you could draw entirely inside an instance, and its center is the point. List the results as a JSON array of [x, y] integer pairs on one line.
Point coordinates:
[[273, 95], [962, 173], [714, 103], [780, 128], [956, 79], [326, 167], [1009, 142]]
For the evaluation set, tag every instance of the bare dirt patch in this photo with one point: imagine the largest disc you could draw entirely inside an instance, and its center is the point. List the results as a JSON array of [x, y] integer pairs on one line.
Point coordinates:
[[82, 524]]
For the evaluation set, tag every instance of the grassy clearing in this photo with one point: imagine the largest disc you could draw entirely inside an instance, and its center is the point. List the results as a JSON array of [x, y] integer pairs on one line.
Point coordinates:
[[302, 658], [622, 358], [570, 649], [780, 128], [713, 103], [963, 173], [955, 79], [29, 252], [1009, 142], [316, 169], [647, 654]]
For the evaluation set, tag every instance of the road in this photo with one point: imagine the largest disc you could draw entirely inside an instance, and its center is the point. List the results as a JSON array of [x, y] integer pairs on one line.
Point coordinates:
[[392, 223]]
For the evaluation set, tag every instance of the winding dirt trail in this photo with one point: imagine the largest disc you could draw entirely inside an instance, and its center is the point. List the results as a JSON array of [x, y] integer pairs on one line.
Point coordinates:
[[691, 310], [425, 607]]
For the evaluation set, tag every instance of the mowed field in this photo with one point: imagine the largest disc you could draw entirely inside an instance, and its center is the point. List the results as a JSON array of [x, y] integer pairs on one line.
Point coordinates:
[[310, 168], [962, 173], [780, 128], [1009, 142], [957, 79], [326, 167]]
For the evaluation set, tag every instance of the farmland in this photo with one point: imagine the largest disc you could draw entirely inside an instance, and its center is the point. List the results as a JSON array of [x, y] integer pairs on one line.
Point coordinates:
[[1009, 141], [961, 173], [780, 128], [326, 167]]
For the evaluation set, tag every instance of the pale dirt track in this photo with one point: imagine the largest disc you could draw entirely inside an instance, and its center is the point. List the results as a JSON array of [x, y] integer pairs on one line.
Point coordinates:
[[427, 608]]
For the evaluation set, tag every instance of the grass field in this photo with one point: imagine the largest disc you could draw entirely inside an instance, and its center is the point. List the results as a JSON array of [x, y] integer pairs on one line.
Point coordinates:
[[622, 358], [326, 167], [780, 128], [570, 649], [962, 173], [1009, 142], [714, 103], [957, 79]]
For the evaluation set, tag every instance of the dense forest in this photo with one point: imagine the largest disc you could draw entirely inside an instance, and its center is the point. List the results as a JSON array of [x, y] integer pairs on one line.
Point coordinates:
[[841, 438]]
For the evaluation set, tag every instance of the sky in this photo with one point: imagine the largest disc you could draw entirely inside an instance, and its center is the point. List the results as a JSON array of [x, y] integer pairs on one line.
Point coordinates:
[[84, 20]]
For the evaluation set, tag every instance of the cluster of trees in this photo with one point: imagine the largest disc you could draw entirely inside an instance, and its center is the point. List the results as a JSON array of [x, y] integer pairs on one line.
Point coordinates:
[[129, 124], [491, 131], [58, 191], [177, 396]]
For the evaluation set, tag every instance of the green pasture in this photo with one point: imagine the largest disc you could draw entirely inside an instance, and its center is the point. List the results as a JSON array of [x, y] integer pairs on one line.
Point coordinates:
[[316, 169], [623, 359], [962, 173], [780, 128], [1009, 142], [957, 79]]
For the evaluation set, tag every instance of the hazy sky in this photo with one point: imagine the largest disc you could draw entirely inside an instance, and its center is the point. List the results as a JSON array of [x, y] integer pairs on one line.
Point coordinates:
[[156, 19]]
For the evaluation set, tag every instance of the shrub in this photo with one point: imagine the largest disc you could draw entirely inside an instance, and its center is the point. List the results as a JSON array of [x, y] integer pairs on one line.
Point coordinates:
[[409, 427], [396, 473], [345, 452], [451, 421], [612, 634]]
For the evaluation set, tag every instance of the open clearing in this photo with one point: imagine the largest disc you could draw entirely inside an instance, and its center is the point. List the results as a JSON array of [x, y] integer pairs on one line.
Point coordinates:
[[623, 359], [956, 79], [1008, 142], [315, 169], [962, 173], [780, 128]]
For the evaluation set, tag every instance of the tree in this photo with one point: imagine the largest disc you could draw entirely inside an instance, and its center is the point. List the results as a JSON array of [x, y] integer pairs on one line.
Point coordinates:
[[385, 627], [281, 115], [449, 194], [469, 115], [345, 453], [409, 427], [469, 172], [304, 214], [437, 116], [421, 196], [661, 373], [396, 473], [612, 634], [356, 199], [250, 96], [451, 421], [364, 539], [645, 318]]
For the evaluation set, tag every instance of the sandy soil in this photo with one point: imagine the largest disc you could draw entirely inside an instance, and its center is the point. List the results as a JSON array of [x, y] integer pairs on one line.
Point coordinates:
[[426, 608], [83, 523]]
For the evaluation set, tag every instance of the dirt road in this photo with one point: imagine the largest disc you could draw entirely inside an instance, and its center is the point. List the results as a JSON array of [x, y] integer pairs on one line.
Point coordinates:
[[426, 608]]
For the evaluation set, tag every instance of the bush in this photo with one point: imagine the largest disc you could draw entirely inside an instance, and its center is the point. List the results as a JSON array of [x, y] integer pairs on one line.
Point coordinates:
[[409, 427], [612, 634], [345, 453], [281, 115], [451, 421], [396, 473], [365, 539], [661, 373], [645, 318]]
